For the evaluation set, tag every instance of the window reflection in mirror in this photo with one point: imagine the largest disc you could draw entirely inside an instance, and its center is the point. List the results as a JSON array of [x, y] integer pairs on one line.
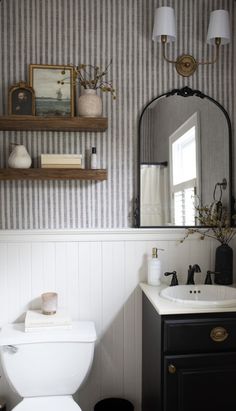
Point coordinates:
[[184, 172]]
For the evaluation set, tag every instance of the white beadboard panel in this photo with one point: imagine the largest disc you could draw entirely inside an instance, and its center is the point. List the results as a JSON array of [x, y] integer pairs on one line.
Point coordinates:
[[66, 278], [135, 272], [42, 263], [18, 277], [3, 283], [112, 318], [96, 274], [88, 31]]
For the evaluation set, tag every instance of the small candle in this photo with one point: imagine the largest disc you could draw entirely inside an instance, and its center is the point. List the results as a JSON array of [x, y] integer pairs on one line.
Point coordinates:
[[49, 303]]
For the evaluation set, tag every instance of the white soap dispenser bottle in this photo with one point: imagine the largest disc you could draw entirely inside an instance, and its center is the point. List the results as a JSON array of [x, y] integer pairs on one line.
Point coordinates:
[[154, 268]]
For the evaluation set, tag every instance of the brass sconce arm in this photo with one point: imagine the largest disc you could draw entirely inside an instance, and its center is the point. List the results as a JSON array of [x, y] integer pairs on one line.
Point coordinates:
[[217, 43], [186, 64], [163, 42]]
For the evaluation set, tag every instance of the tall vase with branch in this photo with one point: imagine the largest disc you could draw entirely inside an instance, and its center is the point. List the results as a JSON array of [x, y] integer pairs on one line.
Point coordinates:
[[91, 78], [218, 227]]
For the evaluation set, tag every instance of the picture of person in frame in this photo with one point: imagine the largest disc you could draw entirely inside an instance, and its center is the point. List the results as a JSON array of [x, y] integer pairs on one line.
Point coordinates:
[[21, 100]]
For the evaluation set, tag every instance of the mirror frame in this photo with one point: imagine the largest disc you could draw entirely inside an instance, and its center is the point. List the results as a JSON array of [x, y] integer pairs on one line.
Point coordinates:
[[183, 92]]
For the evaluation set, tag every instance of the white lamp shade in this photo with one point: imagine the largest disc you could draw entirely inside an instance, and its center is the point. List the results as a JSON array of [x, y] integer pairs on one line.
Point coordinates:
[[164, 24], [219, 27]]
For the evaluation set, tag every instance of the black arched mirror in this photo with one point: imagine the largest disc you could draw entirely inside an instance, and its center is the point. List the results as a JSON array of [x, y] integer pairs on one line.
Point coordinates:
[[184, 153]]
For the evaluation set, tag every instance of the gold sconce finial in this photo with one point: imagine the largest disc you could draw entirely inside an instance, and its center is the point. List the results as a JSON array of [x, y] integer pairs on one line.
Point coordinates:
[[164, 31]]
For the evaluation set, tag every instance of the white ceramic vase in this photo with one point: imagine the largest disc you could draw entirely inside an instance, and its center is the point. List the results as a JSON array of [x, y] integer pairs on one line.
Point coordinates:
[[89, 104], [19, 157]]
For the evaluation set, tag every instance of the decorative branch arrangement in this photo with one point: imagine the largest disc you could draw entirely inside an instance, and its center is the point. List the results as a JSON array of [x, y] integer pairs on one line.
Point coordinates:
[[92, 77], [217, 223]]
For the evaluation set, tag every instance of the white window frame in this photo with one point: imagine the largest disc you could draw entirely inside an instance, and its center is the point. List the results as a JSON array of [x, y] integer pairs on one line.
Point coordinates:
[[192, 121]]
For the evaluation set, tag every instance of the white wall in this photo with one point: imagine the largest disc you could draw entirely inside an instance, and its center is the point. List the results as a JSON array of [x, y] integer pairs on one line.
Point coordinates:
[[96, 274]]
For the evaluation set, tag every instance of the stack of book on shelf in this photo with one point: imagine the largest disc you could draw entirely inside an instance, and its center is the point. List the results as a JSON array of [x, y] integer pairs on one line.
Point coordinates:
[[61, 161]]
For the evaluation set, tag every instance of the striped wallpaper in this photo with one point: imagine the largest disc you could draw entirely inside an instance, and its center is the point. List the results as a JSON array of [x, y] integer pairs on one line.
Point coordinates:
[[88, 31]]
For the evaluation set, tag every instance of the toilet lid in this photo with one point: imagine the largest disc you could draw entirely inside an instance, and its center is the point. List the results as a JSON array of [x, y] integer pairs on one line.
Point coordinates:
[[58, 403]]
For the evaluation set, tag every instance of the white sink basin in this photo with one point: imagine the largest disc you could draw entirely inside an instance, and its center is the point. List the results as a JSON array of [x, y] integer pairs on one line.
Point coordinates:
[[201, 295]]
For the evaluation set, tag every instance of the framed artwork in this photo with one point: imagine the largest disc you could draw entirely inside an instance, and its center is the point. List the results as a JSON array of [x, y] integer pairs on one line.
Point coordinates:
[[21, 100], [54, 90]]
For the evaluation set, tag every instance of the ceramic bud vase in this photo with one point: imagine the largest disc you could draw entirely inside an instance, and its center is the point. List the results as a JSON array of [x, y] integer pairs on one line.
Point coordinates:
[[224, 265], [89, 104], [19, 157]]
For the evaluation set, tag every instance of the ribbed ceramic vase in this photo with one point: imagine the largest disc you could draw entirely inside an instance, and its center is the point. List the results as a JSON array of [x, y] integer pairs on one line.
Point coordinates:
[[19, 157], [224, 265], [89, 104]]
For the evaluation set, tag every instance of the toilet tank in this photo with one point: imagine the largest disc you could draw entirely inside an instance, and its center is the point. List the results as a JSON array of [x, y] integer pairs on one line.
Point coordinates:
[[49, 362]]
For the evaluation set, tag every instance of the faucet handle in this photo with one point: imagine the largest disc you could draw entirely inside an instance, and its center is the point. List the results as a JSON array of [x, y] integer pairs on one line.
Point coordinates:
[[174, 280], [208, 279]]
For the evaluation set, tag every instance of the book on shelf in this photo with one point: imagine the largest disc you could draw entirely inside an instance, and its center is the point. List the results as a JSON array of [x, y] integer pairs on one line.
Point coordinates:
[[61, 159], [79, 166]]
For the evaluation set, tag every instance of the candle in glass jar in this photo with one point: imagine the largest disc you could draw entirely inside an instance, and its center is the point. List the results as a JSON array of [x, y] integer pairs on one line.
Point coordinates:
[[49, 303]]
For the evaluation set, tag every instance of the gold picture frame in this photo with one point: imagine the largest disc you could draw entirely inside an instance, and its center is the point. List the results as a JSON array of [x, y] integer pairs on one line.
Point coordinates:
[[21, 100], [54, 89]]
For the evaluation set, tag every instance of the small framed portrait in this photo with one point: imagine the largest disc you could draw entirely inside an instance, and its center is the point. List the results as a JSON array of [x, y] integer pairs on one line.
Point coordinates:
[[21, 100], [54, 90]]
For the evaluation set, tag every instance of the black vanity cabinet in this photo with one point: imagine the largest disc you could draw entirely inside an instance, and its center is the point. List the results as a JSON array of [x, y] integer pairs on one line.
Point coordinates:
[[189, 361]]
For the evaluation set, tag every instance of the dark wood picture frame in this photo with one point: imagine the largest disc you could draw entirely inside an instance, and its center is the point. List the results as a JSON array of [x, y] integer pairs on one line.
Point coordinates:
[[54, 89], [21, 100]]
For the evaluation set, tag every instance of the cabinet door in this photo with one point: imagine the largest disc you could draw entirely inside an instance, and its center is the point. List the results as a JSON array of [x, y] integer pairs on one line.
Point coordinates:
[[200, 382]]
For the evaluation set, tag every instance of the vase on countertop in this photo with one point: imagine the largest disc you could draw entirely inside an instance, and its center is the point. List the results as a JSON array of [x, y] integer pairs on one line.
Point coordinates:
[[90, 104], [19, 157], [224, 265]]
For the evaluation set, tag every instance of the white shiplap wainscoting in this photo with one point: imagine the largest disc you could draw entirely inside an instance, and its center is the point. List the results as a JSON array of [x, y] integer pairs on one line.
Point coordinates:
[[96, 274]]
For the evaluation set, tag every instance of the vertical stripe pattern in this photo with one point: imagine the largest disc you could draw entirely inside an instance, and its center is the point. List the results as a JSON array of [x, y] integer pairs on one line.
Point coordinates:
[[87, 31]]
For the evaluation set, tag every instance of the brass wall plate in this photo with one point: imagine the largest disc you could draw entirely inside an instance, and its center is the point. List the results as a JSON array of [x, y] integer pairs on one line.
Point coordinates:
[[186, 65]]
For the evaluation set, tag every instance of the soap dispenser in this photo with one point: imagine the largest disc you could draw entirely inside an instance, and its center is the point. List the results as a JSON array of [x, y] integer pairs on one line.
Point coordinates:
[[154, 268]]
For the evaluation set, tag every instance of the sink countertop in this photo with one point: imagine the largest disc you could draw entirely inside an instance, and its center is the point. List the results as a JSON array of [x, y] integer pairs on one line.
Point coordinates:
[[164, 306]]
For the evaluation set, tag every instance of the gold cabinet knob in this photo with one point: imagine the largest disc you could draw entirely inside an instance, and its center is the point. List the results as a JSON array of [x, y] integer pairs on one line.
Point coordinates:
[[219, 334], [172, 369]]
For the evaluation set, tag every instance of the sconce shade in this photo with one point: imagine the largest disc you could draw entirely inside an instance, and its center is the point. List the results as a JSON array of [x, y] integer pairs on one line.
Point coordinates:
[[164, 24], [219, 27]]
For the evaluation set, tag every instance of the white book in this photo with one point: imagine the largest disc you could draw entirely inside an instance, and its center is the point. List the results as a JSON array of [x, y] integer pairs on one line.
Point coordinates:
[[49, 327], [61, 158], [61, 166], [34, 320]]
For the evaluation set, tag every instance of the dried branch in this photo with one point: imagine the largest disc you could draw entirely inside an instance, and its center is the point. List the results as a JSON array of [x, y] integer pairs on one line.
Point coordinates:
[[217, 225], [91, 77]]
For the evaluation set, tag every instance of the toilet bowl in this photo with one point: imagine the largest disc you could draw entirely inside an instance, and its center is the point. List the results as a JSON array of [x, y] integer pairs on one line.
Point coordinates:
[[46, 368]]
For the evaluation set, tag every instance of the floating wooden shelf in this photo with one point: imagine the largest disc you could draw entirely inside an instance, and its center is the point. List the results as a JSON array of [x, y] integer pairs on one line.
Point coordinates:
[[36, 123], [52, 174]]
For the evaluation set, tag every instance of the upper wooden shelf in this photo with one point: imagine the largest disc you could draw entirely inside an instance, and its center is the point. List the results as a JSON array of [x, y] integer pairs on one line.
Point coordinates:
[[36, 123]]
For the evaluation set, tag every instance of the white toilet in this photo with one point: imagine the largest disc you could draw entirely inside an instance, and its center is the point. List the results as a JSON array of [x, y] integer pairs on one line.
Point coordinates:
[[47, 367]]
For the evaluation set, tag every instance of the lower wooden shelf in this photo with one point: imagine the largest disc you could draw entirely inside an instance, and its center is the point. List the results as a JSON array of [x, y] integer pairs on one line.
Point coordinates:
[[52, 174]]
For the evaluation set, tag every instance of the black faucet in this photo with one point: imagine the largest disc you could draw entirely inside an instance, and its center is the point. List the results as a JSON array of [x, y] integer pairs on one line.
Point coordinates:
[[208, 279], [174, 280], [191, 270]]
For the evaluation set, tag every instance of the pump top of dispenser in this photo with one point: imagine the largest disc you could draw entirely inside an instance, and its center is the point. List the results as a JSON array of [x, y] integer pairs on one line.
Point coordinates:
[[94, 150], [155, 252]]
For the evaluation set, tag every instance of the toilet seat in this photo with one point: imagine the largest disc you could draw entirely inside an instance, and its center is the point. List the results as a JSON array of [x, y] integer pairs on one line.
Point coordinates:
[[57, 403]]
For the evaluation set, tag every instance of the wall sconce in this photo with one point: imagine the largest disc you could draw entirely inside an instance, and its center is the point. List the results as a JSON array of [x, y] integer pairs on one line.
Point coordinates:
[[164, 31]]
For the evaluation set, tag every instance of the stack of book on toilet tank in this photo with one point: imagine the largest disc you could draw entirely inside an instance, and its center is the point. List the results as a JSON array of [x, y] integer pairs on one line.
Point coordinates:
[[61, 161], [36, 321]]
